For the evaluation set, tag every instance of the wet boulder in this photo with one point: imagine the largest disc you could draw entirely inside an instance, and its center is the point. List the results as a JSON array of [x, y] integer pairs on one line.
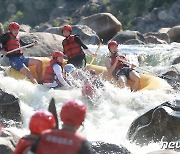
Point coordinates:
[[8, 141], [172, 75], [107, 148], [125, 36], [104, 24], [176, 61], [9, 109], [159, 124]]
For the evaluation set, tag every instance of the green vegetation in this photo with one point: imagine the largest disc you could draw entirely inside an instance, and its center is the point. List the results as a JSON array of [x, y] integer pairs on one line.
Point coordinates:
[[26, 11], [126, 10], [35, 12]]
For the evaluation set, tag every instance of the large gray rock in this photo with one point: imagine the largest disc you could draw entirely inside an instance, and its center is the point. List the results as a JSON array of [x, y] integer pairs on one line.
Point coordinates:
[[8, 141], [107, 148], [176, 61], [124, 36], [160, 36], [154, 40], [160, 123], [172, 75], [87, 35], [9, 109], [104, 24], [48, 43], [174, 34]]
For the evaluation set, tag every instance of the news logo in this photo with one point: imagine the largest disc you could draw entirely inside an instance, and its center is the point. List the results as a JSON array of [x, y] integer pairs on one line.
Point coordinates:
[[170, 145]]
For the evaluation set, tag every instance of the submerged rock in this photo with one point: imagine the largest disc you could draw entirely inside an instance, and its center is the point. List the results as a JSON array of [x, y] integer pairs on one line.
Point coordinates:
[[107, 148], [172, 75], [9, 109], [159, 124], [8, 141]]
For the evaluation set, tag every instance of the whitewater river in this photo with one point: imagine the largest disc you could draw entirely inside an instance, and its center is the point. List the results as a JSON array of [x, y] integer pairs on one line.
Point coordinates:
[[110, 115]]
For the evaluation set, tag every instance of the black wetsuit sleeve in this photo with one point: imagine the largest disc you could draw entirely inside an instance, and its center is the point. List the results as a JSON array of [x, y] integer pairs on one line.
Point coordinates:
[[4, 39], [78, 40], [34, 146], [85, 148], [24, 43]]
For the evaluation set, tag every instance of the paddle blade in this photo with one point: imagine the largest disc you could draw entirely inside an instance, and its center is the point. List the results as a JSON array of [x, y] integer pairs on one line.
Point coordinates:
[[52, 109]]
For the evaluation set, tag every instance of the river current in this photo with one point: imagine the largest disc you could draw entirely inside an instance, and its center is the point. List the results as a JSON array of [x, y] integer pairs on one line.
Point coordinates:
[[113, 110]]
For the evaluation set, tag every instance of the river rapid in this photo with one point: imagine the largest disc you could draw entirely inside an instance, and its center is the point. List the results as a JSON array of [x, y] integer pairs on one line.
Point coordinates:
[[112, 111]]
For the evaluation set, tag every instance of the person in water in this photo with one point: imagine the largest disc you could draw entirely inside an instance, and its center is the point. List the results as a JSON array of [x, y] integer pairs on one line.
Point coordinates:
[[72, 46], [10, 41], [65, 140], [121, 70], [39, 122], [91, 84], [53, 76]]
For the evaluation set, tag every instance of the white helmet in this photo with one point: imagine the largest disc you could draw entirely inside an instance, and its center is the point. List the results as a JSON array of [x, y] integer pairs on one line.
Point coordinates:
[[69, 68]]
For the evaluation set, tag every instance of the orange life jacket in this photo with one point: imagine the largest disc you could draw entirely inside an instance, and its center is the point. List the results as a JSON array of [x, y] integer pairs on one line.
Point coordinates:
[[120, 64], [71, 48], [23, 143], [13, 43], [49, 76], [60, 141]]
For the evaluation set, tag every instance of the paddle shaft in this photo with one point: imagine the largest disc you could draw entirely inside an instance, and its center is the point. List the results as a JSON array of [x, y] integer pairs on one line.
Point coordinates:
[[155, 74], [140, 68], [95, 53], [19, 48]]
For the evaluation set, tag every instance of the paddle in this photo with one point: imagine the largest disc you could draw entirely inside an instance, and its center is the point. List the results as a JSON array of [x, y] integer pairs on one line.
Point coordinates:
[[153, 73], [19, 48], [95, 53], [52, 109]]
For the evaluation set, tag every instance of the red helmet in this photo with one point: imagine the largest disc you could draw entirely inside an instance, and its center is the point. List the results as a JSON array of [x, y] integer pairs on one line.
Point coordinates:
[[13, 25], [73, 112], [40, 121], [57, 54], [112, 43], [67, 27]]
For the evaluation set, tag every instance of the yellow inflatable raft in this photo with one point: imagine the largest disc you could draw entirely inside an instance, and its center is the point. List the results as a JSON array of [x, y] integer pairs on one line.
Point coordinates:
[[146, 82]]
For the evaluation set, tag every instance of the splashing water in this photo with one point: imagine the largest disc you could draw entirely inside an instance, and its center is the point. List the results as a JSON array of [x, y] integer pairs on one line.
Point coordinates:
[[113, 110]]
